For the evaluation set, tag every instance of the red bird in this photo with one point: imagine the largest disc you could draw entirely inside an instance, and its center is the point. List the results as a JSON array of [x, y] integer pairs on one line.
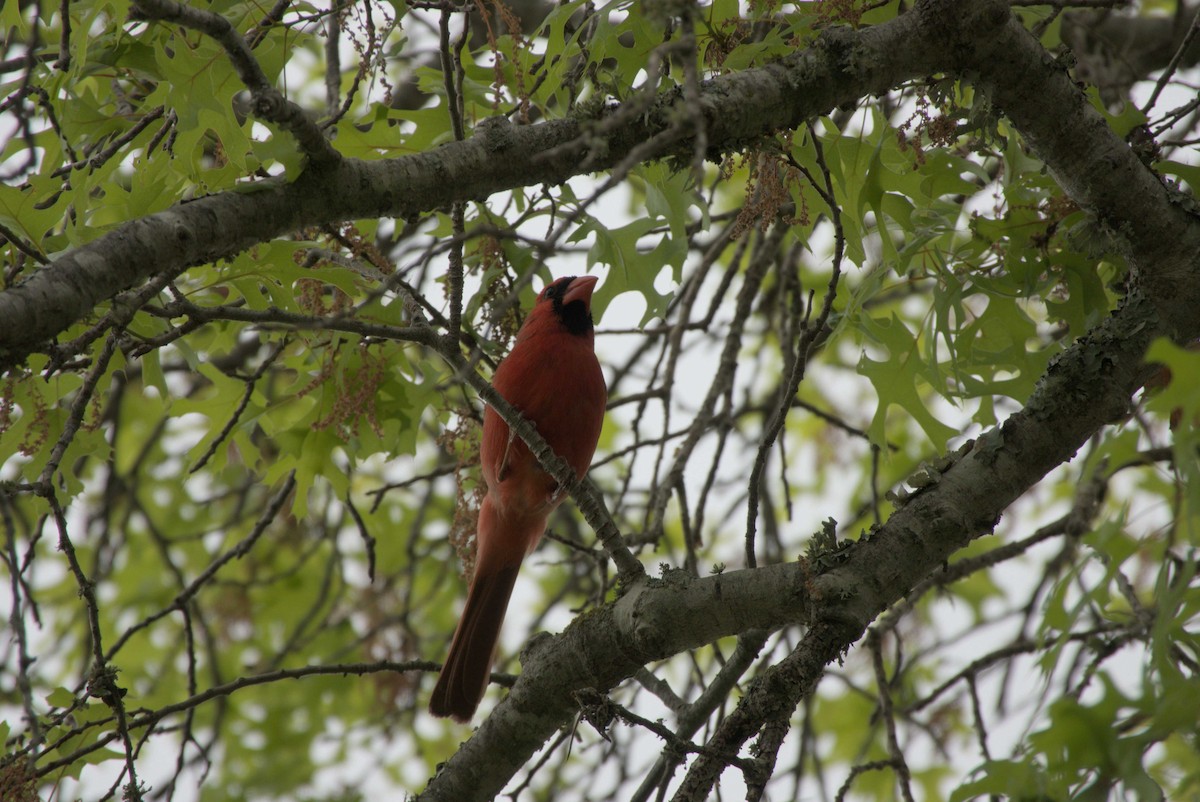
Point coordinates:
[[553, 379]]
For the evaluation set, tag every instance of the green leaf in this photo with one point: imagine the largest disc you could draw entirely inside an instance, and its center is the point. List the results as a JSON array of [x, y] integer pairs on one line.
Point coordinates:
[[1183, 390], [1124, 121], [632, 270], [1012, 779], [1188, 173], [897, 378], [61, 698]]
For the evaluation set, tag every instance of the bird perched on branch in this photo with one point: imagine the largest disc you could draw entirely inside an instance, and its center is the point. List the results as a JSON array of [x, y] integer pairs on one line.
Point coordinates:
[[554, 381]]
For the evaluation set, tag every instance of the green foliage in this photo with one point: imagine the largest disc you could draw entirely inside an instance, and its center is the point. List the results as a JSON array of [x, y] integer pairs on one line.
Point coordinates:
[[274, 472], [1180, 402]]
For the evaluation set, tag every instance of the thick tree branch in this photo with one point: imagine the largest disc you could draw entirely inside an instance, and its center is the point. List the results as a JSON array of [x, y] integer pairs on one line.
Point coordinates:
[[1088, 387], [1148, 222], [267, 102], [1085, 389], [655, 619], [1117, 50], [841, 67]]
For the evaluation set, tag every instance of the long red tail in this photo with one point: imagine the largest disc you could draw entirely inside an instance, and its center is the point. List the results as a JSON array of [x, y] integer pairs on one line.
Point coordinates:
[[465, 675]]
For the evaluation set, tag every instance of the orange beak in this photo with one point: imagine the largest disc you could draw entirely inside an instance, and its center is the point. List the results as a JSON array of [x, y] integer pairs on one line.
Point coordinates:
[[581, 290]]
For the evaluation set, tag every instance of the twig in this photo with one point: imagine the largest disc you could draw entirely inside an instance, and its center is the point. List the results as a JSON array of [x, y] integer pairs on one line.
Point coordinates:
[[275, 317], [1173, 65], [367, 538], [17, 621], [586, 496], [333, 63], [723, 378], [97, 160], [861, 768], [241, 549], [75, 417], [151, 718], [27, 248], [64, 45], [606, 709], [102, 677], [241, 407], [1017, 647], [267, 102], [903, 775], [274, 15], [809, 339], [776, 691]]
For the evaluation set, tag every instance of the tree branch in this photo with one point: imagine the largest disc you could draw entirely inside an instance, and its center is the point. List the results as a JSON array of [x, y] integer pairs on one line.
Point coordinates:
[[1088, 387], [267, 102], [840, 67], [585, 495], [653, 620], [1145, 220]]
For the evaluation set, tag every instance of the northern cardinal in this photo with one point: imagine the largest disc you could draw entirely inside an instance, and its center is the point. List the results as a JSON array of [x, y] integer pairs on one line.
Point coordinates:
[[553, 379]]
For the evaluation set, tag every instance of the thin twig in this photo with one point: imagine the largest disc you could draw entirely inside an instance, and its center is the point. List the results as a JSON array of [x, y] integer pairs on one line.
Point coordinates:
[[585, 494], [153, 717], [903, 775], [1173, 65], [102, 677], [241, 549], [78, 408], [267, 102], [17, 620]]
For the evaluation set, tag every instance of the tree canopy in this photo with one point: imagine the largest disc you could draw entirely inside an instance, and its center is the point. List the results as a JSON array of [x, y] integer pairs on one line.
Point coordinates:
[[898, 494]]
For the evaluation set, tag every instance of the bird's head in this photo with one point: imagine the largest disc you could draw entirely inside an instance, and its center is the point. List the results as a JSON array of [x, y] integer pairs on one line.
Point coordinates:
[[569, 301]]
